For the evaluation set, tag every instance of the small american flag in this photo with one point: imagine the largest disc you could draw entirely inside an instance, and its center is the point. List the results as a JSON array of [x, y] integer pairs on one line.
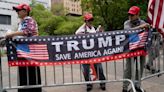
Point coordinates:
[[93, 72], [32, 51], [137, 40]]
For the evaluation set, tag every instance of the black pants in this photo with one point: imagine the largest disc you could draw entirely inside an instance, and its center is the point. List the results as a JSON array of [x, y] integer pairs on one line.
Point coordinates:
[[98, 68], [33, 74]]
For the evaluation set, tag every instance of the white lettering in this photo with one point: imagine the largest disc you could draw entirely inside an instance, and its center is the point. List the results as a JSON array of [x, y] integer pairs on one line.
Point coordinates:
[[88, 54], [57, 45], [104, 43], [119, 38], [63, 56], [84, 44], [113, 50], [72, 45]]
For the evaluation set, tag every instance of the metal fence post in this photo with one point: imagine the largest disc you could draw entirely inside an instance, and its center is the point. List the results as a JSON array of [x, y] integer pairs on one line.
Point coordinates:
[[1, 81]]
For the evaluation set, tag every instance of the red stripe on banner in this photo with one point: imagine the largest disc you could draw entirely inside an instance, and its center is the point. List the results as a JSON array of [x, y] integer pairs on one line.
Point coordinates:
[[33, 53], [84, 61], [38, 45], [40, 57]]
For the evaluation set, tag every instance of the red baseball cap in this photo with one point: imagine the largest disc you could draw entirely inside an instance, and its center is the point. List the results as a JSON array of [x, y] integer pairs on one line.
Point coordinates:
[[88, 16], [134, 10], [21, 7]]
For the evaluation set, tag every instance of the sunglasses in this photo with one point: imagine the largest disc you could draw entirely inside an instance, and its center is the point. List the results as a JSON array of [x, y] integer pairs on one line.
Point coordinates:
[[19, 10], [89, 20], [131, 15]]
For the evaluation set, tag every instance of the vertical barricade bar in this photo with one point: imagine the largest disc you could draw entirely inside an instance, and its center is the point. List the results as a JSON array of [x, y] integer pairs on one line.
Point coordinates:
[[163, 52], [159, 55], [72, 79], [1, 76], [1, 82], [133, 69]]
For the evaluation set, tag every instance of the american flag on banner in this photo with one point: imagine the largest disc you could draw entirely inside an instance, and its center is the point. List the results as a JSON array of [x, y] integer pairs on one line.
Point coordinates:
[[32, 51], [137, 40], [156, 14]]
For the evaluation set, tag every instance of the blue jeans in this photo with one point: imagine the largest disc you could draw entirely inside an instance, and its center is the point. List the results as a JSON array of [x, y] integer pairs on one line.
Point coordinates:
[[99, 71]]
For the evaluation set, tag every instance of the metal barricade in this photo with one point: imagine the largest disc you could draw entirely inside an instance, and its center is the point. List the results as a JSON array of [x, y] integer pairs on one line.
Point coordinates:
[[68, 75], [63, 75], [155, 58]]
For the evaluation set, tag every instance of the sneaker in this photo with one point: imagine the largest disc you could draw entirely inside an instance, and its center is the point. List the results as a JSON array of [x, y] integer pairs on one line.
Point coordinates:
[[139, 89], [125, 90], [153, 71], [102, 86], [89, 88], [147, 67], [150, 68]]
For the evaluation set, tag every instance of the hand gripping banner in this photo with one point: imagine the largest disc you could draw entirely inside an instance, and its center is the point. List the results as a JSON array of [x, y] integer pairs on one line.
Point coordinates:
[[76, 49]]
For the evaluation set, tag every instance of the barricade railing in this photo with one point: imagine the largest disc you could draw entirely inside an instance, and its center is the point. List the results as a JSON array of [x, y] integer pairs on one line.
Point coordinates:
[[155, 58], [63, 75], [67, 75]]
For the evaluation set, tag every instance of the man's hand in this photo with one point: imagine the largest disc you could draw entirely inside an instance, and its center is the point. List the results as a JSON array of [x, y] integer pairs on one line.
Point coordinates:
[[17, 33], [9, 35], [100, 29], [80, 33], [145, 25]]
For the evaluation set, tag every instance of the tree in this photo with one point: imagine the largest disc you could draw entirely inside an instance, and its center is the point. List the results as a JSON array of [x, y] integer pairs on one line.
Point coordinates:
[[143, 4], [69, 26], [50, 24], [57, 9], [113, 13], [110, 13], [45, 19]]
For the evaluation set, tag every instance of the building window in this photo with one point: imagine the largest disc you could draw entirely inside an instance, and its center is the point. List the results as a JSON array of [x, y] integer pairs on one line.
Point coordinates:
[[5, 19]]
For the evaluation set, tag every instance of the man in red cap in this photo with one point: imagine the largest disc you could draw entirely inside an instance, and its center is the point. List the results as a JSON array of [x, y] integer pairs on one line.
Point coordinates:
[[22, 6], [86, 28], [27, 27], [134, 22]]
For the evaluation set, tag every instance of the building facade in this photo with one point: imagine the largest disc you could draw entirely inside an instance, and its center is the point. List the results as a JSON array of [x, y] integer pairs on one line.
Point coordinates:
[[73, 7], [9, 18], [56, 1]]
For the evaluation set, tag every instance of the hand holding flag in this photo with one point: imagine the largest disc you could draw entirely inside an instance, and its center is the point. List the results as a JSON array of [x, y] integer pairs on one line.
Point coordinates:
[[156, 14]]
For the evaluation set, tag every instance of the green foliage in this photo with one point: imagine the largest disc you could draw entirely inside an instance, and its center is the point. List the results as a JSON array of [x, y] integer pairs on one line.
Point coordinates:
[[57, 9], [69, 26], [112, 13], [50, 24], [109, 13]]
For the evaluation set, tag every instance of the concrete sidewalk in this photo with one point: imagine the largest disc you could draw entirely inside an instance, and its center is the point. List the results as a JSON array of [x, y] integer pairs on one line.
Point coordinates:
[[155, 84]]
